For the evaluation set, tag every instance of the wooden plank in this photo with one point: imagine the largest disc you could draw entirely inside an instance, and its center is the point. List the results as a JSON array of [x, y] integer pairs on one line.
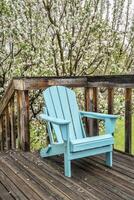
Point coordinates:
[[6, 98], [55, 170], [121, 182], [14, 190], [44, 187], [114, 176], [4, 194], [82, 178], [31, 181], [91, 105], [120, 79], [113, 184], [95, 109], [127, 172], [58, 180], [128, 120], [105, 84], [123, 81], [23, 120], [7, 129], [87, 108], [110, 100], [42, 82], [18, 119], [23, 185], [1, 134], [12, 121], [91, 178]]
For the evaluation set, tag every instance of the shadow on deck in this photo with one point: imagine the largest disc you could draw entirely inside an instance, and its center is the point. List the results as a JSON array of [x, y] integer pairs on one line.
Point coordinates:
[[26, 176]]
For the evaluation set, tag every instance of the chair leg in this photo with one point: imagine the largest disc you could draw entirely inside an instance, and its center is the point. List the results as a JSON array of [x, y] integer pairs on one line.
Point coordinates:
[[67, 166], [109, 159]]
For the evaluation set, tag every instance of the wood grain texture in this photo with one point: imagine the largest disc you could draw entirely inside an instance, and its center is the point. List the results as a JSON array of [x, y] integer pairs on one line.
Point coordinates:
[[23, 120], [18, 119], [7, 129], [91, 105], [110, 100], [43, 82], [12, 122], [128, 120], [7, 96], [25, 176], [1, 134]]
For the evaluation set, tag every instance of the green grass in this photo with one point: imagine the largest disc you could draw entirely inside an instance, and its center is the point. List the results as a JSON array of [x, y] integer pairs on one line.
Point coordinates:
[[120, 135]]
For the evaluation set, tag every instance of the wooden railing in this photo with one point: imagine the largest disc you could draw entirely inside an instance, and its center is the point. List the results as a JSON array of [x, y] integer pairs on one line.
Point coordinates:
[[16, 100]]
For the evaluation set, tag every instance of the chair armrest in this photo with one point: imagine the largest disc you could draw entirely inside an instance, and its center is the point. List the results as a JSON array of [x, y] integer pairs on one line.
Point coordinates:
[[54, 120], [95, 115], [64, 124], [109, 120]]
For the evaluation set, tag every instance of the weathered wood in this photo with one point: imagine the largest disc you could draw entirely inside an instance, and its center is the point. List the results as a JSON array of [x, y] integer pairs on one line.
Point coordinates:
[[129, 78], [36, 178], [18, 119], [7, 96], [128, 120], [11, 187], [22, 184], [29, 83], [95, 109], [12, 122], [1, 134], [7, 129], [4, 193], [91, 105], [42, 82], [58, 181], [108, 84], [110, 100], [87, 108], [23, 120], [111, 81]]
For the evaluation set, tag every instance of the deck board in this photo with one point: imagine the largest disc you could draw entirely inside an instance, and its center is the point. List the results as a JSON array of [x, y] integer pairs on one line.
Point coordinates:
[[26, 176]]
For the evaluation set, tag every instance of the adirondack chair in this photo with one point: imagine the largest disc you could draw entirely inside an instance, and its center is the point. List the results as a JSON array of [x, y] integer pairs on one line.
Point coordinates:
[[66, 132]]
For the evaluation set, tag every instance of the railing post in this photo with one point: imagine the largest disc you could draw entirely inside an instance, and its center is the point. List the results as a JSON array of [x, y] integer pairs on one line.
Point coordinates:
[[1, 134], [128, 120], [23, 120], [87, 104], [91, 105], [7, 129], [12, 122], [18, 120], [110, 100]]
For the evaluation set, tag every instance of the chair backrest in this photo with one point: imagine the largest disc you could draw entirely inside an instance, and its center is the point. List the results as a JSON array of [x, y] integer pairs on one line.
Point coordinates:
[[61, 103]]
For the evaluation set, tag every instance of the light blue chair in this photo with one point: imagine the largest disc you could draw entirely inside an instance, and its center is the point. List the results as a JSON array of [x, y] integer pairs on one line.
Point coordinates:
[[66, 132]]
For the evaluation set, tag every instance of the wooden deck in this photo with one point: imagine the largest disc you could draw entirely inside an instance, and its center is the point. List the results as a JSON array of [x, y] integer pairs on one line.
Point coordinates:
[[26, 176]]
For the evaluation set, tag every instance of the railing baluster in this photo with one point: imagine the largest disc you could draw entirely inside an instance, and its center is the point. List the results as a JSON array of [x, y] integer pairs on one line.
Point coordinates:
[[7, 129], [23, 121], [91, 105], [110, 100], [87, 105], [18, 120], [128, 119], [1, 134], [12, 121], [95, 109]]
